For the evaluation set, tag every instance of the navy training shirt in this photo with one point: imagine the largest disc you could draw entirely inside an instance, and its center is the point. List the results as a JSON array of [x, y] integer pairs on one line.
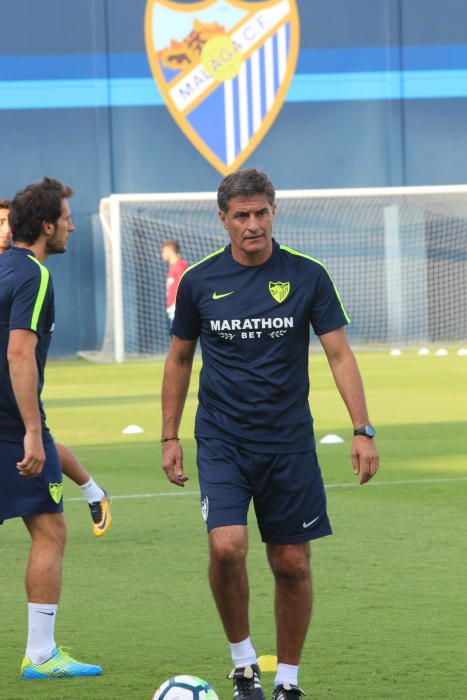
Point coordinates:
[[254, 328], [26, 302]]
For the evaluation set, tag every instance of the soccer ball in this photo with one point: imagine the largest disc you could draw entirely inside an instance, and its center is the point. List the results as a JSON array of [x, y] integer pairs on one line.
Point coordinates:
[[185, 688]]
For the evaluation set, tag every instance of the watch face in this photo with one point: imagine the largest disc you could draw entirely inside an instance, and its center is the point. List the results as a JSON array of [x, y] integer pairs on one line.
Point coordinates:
[[366, 430]]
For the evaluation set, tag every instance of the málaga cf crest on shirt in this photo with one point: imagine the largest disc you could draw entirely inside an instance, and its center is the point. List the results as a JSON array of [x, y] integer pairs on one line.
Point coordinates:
[[223, 68], [279, 290]]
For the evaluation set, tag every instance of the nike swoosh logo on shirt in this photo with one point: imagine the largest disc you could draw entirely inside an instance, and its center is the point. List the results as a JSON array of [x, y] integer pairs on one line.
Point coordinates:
[[221, 296], [305, 525]]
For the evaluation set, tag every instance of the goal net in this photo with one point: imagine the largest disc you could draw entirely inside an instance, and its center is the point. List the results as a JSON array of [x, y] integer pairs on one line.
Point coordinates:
[[397, 255]]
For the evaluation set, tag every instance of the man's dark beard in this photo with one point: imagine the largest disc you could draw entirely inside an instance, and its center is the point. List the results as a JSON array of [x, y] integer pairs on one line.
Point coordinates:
[[52, 250]]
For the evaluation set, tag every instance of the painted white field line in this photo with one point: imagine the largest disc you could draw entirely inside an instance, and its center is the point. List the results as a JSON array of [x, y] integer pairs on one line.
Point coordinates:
[[161, 494], [372, 484], [402, 482]]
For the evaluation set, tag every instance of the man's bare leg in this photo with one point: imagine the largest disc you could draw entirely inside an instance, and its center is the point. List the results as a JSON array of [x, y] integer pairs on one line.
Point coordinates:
[[228, 547], [43, 586], [71, 466], [290, 565], [98, 499], [229, 583], [44, 581], [44, 569]]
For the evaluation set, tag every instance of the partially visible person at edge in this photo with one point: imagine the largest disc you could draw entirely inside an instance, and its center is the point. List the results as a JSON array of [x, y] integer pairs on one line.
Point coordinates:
[[98, 499], [170, 253], [30, 474], [5, 233], [251, 304]]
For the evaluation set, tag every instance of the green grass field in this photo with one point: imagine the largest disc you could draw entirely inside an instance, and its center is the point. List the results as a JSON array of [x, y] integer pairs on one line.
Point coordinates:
[[390, 615]]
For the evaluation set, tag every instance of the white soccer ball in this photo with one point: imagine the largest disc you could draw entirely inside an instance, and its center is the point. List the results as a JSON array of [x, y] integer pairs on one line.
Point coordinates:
[[185, 688]]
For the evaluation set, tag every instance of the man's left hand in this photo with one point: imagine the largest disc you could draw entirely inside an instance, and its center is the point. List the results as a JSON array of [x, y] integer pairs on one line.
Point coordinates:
[[365, 458]]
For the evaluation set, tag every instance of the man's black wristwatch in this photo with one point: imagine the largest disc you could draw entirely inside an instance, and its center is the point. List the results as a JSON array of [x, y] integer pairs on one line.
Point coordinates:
[[366, 430]]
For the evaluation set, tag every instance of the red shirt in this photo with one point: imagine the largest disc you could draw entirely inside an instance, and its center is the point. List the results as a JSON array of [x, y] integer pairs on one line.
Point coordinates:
[[174, 274]]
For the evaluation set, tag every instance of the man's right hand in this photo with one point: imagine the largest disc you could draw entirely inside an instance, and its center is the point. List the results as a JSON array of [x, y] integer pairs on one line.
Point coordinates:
[[34, 456], [172, 462]]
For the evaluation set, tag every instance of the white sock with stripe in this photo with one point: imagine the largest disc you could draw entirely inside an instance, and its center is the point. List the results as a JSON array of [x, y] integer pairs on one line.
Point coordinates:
[[41, 627]]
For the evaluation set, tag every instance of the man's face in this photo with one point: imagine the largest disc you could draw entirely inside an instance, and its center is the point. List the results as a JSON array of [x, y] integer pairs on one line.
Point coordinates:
[[58, 238], [166, 253], [248, 221], [5, 231]]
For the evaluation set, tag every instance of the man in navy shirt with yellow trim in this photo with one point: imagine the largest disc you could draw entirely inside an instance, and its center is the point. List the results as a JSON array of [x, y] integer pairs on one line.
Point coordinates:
[[30, 475], [98, 499], [252, 304]]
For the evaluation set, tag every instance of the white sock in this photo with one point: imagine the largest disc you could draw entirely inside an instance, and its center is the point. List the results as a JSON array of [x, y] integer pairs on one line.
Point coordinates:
[[242, 653], [41, 625], [92, 492], [286, 674]]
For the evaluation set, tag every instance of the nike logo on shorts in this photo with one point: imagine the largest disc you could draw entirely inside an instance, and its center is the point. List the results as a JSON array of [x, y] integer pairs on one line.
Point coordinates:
[[306, 525]]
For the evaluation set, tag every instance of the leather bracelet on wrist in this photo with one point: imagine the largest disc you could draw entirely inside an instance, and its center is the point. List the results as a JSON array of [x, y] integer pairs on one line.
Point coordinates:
[[167, 439]]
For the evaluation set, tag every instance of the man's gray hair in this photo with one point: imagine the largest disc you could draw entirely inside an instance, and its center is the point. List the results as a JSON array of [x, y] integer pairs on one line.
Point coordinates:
[[244, 183]]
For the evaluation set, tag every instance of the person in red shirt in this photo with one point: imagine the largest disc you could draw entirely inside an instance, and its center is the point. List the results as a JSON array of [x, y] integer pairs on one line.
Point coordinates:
[[170, 252]]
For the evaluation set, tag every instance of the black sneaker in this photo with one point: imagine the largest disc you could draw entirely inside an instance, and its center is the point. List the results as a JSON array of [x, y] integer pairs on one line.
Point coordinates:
[[101, 515], [246, 683], [287, 692]]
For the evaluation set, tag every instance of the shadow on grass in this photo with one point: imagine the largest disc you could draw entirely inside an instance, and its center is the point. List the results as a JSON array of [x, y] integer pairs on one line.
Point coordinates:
[[418, 451], [92, 401]]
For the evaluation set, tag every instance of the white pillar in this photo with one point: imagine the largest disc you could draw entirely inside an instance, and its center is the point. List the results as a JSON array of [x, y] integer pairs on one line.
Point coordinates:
[[117, 281]]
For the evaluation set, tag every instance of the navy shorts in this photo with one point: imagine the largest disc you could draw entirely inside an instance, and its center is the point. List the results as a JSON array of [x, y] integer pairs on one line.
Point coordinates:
[[287, 491], [20, 496]]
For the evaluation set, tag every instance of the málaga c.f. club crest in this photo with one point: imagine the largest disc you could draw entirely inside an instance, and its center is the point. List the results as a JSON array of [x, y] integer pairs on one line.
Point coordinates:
[[56, 491], [279, 290], [223, 68]]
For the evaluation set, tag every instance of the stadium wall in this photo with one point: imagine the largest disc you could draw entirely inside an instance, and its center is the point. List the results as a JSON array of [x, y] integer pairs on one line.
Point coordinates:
[[379, 98]]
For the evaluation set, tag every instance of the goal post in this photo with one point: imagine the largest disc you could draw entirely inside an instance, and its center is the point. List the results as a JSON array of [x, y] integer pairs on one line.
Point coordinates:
[[397, 255]]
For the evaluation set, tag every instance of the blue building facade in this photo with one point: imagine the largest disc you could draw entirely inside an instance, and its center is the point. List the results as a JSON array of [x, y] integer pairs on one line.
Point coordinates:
[[378, 98]]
